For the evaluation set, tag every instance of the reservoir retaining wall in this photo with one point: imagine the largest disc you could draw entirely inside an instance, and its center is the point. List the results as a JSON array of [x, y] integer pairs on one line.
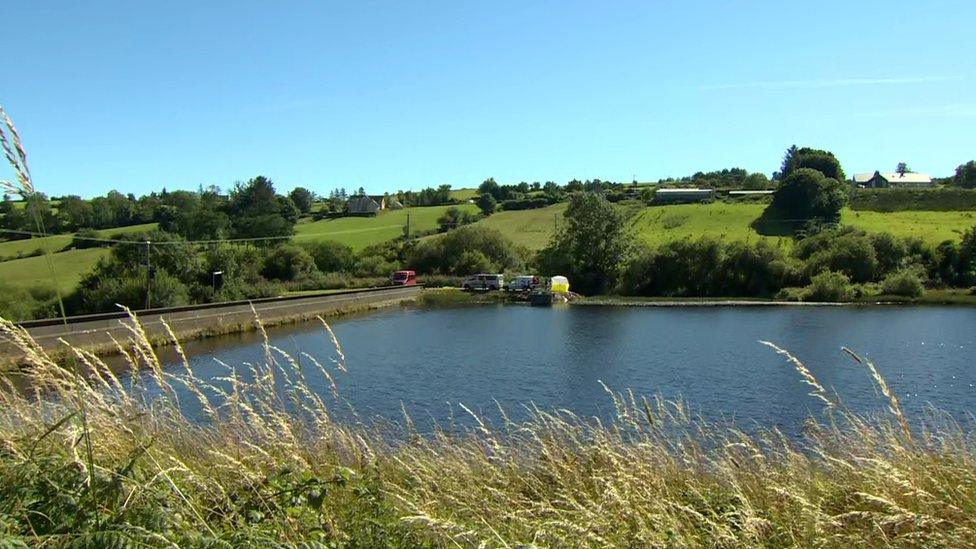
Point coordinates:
[[95, 332]]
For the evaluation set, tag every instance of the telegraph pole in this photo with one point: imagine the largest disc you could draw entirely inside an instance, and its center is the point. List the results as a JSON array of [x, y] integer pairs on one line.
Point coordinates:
[[148, 276], [407, 236]]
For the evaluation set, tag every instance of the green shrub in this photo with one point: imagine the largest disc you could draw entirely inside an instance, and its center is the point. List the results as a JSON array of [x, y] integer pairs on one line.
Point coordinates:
[[19, 304], [829, 286], [80, 240], [894, 200], [288, 262], [130, 290], [904, 283], [374, 266], [443, 255], [708, 267], [331, 256]]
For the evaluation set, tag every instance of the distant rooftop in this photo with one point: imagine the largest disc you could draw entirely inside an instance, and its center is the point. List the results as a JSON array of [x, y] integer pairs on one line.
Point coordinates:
[[685, 190], [894, 177]]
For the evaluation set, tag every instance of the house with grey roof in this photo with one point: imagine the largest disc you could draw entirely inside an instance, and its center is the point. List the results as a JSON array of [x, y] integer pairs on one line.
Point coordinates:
[[894, 180]]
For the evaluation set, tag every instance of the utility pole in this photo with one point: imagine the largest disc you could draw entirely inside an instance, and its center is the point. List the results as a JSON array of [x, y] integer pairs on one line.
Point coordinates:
[[148, 276], [407, 236]]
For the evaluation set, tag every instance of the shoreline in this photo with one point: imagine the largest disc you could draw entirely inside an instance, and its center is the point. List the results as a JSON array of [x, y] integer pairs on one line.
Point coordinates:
[[454, 296], [98, 333]]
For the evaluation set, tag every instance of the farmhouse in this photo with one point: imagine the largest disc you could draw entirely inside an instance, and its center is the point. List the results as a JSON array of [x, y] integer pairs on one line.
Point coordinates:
[[683, 196], [371, 204], [878, 180]]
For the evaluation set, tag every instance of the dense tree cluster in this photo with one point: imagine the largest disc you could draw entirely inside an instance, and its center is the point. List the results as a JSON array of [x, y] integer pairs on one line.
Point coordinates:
[[591, 247], [730, 178], [816, 159], [804, 196], [466, 251], [965, 175]]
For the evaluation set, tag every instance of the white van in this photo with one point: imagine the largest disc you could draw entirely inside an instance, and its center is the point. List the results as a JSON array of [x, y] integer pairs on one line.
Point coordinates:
[[523, 283], [484, 282]]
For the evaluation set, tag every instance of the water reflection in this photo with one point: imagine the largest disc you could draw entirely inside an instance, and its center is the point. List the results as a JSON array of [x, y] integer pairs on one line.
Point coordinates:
[[428, 360]]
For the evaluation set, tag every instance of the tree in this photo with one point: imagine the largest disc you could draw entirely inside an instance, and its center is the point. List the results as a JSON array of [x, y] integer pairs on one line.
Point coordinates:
[[454, 252], [454, 217], [574, 185], [755, 181], [288, 262], [303, 199], [257, 211], [331, 256], [823, 161], [488, 186], [487, 203], [591, 248], [965, 175], [805, 195], [74, 213], [902, 168]]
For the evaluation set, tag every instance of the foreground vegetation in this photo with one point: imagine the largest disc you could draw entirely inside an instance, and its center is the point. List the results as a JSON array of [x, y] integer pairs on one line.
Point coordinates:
[[87, 460]]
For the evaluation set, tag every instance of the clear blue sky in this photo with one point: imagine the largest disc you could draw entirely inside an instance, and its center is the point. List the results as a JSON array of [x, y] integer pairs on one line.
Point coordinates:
[[140, 95]]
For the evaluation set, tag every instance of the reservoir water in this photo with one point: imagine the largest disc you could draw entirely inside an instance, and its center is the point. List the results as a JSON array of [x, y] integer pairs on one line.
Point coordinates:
[[426, 361]]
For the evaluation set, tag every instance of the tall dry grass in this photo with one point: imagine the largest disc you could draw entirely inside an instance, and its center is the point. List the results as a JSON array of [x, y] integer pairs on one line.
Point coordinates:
[[269, 465]]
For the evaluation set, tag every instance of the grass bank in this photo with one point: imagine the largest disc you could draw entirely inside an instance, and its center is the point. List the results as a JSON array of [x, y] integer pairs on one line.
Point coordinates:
[[88, 461]]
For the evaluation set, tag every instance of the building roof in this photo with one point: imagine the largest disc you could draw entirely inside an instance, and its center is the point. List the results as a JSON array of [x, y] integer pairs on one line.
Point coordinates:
[[894, 177], [756, 191], [362, 203], [687, 190]]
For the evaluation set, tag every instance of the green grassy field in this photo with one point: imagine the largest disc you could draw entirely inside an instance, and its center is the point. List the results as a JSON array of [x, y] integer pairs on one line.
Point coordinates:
[[932, 227], [360, 232], [56, 243], [529, 228], [661, 224], [655, 225], [464, 194], [33, 271]]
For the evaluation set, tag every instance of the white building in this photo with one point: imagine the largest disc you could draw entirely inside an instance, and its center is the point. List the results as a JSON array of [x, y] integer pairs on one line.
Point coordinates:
[[878, 180]]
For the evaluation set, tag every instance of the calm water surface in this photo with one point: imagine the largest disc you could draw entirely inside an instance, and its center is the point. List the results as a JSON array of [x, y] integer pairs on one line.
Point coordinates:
[[429, 360]]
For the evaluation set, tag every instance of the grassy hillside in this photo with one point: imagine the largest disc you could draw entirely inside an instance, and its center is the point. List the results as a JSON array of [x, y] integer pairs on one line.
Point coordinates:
[[33, 271], [55, 243], [360, 232], [529, 228], [660, 224], [933, 227], [464, 194], [654, 225]]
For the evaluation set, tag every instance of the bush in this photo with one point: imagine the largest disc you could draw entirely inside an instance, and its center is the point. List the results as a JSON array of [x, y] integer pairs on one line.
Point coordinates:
[[130, 290], [80, 240], [895, 200], [443, 255], [851, 254], [525, 204], [472, 262], [374, 266], [454, 217], [829, 286], [331, 256], [19, 304], [288, 262], [904, 283], [440, 281], [708, 267]]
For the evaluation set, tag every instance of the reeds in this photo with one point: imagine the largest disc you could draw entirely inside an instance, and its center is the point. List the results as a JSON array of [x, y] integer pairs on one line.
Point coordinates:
[[265, 463]]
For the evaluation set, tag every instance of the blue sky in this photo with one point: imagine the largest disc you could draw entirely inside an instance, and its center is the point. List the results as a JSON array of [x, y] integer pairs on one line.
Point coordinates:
[[140, 95]]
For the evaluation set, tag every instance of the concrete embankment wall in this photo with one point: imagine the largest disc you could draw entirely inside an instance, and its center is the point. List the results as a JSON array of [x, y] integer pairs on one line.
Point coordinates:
[[95, 332]]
